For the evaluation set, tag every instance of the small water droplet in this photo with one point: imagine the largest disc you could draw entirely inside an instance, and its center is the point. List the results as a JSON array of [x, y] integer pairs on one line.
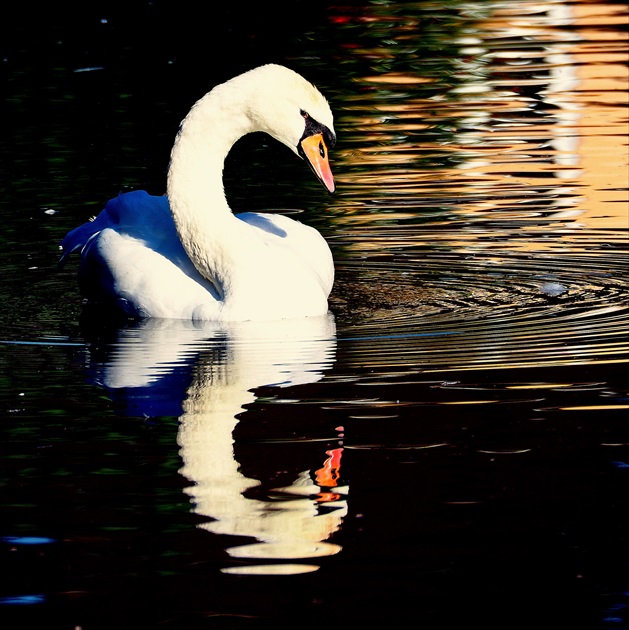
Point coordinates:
[[552, 289]]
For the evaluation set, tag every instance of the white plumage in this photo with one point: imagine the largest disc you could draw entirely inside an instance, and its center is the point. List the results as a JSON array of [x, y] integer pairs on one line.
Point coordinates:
[[186, 255]]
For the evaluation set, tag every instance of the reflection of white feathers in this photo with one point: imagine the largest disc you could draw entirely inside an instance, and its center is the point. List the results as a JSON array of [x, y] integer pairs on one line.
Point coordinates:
[[227, 362], [277, 354]]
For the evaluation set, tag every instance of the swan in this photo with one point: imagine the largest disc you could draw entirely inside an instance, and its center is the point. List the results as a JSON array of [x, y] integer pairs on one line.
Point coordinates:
[[186, 255]]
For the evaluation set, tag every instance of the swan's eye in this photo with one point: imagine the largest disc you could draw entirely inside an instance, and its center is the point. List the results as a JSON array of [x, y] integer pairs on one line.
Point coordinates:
[[304, 114]]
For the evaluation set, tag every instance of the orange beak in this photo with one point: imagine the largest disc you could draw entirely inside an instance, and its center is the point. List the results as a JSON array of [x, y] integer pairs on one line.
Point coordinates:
[[316, 153]]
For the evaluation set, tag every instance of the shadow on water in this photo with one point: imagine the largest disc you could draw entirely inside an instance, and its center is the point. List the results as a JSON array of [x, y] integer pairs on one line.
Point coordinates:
[[450, 447]]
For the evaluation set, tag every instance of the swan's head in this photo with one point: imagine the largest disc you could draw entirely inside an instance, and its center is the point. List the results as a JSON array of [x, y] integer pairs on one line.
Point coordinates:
[[294, 112]]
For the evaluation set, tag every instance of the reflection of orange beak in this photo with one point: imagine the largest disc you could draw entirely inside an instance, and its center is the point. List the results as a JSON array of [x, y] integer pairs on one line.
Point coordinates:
[[328, 475], [316, 152]]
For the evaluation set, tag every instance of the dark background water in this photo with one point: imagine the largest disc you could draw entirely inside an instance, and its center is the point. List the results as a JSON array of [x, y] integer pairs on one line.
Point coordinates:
[[470, 396]]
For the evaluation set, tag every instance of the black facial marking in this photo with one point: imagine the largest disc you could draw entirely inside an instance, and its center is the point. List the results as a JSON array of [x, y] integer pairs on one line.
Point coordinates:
[[313, 127]]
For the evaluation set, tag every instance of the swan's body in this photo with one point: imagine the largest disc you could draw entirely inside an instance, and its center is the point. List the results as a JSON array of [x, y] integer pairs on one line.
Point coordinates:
[[186, 255]]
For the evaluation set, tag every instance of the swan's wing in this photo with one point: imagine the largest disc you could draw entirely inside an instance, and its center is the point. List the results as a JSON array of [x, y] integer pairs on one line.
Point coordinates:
[[302, 241], [132, 257], [137, 214]]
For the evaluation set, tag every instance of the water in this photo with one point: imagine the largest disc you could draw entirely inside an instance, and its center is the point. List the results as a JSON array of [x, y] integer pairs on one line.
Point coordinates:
[[449, 448]]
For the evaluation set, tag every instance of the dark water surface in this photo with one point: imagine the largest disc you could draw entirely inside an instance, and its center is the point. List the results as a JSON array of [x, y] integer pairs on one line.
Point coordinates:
[[449, 449]]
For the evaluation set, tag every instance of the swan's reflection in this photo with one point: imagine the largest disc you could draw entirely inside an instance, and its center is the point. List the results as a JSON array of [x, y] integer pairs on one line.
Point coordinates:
[[211, 372]]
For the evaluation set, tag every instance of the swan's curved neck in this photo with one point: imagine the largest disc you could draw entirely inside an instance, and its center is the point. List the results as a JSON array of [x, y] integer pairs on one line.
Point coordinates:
[[195, 179]]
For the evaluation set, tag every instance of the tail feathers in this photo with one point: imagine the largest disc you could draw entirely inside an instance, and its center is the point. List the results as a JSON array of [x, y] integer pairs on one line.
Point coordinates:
[[136, 213], [78, 239], [127, 210]]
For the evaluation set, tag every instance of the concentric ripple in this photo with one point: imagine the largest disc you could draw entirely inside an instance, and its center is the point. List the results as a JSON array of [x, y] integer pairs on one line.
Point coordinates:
[[490, 309]]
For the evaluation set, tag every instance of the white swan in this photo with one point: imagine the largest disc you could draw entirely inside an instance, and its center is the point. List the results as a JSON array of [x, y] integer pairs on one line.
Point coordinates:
[[186, 255]]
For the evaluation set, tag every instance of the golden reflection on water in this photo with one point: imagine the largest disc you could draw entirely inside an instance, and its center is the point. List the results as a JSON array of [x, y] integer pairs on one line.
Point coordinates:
[[527, 127]]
